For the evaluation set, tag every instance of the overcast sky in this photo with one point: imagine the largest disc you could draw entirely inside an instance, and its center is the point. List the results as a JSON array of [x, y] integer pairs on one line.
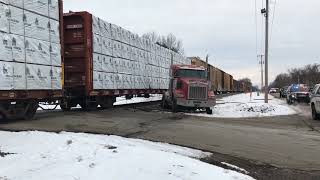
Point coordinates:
[[223, 28]]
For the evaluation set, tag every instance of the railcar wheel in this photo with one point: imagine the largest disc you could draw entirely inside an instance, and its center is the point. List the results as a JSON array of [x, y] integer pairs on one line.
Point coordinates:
[[31, 109], [107, 102], [65, 106]]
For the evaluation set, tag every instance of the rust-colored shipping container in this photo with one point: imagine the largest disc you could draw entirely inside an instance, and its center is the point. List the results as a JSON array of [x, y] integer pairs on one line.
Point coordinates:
[[23, 104], [226, 82]]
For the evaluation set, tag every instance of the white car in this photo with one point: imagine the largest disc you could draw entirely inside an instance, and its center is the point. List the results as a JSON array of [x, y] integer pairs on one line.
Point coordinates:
[[315, 102]]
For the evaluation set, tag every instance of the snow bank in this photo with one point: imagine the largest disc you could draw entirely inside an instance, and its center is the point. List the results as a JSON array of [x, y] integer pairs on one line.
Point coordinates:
[[69, 156], [243, 105]]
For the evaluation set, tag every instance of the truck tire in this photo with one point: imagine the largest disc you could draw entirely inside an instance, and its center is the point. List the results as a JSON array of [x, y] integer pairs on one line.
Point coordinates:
[[315, 115], [164, 104], [174, 106], [209, 111]]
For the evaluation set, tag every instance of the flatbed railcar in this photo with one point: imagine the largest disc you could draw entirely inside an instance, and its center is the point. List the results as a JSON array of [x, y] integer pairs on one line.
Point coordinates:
[[148, 73], [23, 103]]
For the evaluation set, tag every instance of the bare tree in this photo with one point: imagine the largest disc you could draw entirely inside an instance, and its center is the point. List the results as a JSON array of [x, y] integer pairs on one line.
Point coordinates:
[[153, 36], [310, 74], [169, 41]]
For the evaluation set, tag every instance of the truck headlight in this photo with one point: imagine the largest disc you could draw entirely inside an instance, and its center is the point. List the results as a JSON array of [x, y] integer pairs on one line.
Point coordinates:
[[179, 94], [211, 95]]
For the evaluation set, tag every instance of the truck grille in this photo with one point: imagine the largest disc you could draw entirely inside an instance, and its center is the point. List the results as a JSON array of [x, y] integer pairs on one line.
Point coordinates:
[[196, 92]]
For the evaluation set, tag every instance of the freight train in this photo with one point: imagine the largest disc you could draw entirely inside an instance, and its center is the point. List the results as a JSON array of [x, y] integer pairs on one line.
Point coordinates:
[[77, 59], [221, 81]]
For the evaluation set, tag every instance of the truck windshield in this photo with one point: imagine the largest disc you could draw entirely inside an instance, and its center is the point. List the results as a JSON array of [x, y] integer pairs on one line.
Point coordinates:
[[188, 73]]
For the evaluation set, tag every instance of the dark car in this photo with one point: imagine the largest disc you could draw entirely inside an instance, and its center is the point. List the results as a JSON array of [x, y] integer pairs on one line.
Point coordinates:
[[298, 93]]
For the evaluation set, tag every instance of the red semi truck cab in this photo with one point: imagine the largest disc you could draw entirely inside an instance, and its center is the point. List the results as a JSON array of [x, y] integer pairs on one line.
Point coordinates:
[[189, 89]]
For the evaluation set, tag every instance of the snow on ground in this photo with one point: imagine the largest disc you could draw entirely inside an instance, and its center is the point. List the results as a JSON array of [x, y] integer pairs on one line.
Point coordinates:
[[120, 101], [70, 156], [242, 105], [235, 167]]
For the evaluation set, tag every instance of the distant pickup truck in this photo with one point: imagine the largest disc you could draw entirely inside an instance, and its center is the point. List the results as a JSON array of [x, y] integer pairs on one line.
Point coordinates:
[[315, 102], [273, 90]]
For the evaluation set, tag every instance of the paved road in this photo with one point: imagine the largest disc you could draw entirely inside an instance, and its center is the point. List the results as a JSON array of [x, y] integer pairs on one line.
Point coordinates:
[[280, 141]]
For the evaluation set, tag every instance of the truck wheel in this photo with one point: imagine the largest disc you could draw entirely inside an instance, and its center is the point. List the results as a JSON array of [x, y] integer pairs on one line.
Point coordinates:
[[174, 106], [289, 101], [164, 103], [209, 110], [315, 115]]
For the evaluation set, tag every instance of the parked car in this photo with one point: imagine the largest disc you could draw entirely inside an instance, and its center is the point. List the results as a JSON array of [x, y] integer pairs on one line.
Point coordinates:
[[298, 93], [273, 90], [315, 102]]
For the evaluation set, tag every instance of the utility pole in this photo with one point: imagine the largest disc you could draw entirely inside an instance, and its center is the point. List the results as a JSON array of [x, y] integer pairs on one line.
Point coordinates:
[[207, 67], [266, 14], [261, 62]]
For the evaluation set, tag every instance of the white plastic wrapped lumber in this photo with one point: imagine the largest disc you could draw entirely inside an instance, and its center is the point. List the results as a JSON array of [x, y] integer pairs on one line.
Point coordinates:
[[17, 3], [108, 81], [97, 44], [54, 29], [118, 32], [6, 75], [123, 63], [125, 81], [38, 6], [38, 77], [119, 81], [37, 51], [4, 23], [18, 49], [108, 64], [36, 26], [16, 21], [55, 54], [96, 25], [97, 62], [106, 46], [97, 80], [116, 64], [54, 9], [105, 29], [56, 78], [124, 36], [5, 47]]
